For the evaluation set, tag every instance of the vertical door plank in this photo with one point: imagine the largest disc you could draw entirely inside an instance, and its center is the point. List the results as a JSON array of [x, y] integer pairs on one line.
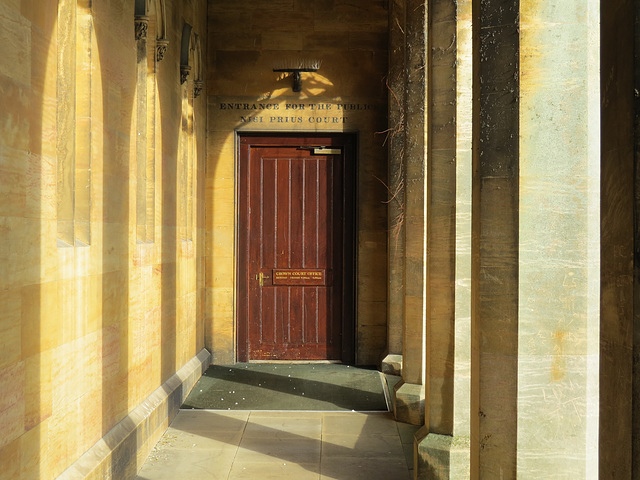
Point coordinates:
[[267, 239], [254, 212]]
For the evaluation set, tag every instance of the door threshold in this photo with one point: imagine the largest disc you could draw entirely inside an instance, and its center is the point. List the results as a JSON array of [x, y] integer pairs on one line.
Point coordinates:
[[296, 362]]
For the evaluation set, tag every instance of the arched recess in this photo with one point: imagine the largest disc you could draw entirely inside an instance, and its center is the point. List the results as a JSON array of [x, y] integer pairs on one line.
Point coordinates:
[[74, 123], [142, 14], [141, 11], [190, 61], [150, 22], [185, 48], [198, 78], [185, 169], [161, 29]]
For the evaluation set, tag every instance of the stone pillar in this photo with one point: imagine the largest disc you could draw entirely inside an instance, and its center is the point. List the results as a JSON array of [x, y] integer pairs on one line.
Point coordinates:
[[396, 80], [443, 445], [494, 314], [558, 245], [636, 258], [616, 408], [409, 393], [552, 332]]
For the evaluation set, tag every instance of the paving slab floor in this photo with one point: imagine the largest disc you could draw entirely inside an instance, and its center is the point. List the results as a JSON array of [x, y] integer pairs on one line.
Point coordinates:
[[300, 445]]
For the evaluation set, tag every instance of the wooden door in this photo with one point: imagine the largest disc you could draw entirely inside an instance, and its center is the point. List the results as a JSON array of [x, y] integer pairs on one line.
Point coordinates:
[[291, 251]]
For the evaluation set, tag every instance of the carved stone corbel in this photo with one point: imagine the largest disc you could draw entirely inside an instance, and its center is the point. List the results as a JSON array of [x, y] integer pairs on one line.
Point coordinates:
[[142, 26], [161, 48], [184, 73], [198, 85]]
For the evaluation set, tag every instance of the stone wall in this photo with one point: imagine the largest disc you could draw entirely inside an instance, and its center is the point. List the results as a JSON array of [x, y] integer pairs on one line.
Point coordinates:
[[101, 284], [347, 94]]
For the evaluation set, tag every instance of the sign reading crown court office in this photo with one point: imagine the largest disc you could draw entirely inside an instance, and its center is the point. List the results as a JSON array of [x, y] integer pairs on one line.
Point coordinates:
[[292, 114]]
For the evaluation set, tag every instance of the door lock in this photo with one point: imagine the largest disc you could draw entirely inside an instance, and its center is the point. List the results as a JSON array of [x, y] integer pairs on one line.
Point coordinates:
[[261, 276]]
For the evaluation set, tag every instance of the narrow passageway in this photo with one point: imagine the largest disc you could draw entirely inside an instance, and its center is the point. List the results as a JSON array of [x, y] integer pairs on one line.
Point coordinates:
[[298, 421], [230, 445]]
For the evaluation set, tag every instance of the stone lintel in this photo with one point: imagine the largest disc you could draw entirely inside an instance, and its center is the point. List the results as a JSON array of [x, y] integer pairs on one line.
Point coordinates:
[[392, 364], [409, 403], [441, 457]]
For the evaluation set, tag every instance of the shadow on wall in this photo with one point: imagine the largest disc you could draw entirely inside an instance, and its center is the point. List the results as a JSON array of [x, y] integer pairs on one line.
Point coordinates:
[[117, 117], [28, 289], [171, 111]]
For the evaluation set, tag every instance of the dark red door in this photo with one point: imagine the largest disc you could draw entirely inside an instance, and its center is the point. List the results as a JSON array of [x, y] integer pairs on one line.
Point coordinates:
[[292, 207]]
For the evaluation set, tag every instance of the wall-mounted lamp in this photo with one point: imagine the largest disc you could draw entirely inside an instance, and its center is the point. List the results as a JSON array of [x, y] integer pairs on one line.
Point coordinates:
[[296, 68]]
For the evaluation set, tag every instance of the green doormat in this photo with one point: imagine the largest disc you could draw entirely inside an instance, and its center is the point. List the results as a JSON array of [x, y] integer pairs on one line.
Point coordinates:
[[260, 386]]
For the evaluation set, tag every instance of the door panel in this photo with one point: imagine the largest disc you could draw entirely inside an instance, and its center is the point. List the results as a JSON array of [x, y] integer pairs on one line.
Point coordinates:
[[291, 220], [292, 199]]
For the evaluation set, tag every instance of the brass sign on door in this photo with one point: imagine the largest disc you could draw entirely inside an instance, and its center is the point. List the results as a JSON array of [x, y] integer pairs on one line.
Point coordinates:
[[299, 277]]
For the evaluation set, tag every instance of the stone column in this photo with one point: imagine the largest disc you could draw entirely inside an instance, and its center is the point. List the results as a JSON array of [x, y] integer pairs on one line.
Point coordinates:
[[636, 264], [409, 393], [443, 445], [552, 249], [616, 365], [494, 313], [558, 245], [396, 80]]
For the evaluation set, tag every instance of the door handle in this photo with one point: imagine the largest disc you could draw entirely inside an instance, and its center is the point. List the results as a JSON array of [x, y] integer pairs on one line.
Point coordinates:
[[261, 276]]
